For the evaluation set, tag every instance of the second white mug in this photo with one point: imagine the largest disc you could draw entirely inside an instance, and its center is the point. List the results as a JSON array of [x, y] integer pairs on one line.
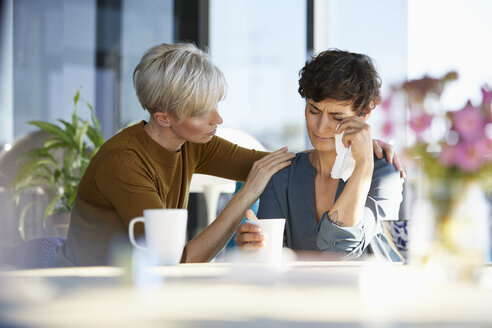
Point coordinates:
[[273, 229]]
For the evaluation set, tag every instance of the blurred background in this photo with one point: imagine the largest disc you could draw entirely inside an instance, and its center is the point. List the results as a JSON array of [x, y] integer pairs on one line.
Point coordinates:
[[51, 48]]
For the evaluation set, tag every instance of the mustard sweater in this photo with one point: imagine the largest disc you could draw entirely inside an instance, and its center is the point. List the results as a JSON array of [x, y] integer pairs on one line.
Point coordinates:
[[131, 172]]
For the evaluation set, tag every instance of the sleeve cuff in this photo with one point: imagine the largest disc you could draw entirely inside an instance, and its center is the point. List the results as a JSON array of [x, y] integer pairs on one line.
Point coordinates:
[[332, 238]]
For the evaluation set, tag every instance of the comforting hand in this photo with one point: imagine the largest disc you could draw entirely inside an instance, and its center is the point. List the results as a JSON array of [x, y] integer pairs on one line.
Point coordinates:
[[381, 148], [248, 235], [263, 169]]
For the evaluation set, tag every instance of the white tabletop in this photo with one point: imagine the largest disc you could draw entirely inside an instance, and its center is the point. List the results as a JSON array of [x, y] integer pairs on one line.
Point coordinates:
[[301, 294]]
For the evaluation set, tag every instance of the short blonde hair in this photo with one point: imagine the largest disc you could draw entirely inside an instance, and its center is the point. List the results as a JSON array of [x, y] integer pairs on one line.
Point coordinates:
[[179, 79]]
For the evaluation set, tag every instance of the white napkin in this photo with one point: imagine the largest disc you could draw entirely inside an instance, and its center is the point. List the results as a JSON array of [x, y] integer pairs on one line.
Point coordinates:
[[344, 162]]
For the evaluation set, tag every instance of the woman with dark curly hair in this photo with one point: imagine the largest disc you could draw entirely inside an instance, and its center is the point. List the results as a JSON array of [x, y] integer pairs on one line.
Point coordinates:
[[324, 211]]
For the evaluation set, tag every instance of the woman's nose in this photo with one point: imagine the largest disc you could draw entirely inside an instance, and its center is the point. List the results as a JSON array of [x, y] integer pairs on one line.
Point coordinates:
[[216, 118], [326, 125]]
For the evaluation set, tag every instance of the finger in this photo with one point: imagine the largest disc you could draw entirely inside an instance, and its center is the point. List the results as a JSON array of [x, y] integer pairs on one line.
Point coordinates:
[[274, 158], [281, 150], [352, 121], [271, 160], [269, 169], [252, 246], [277, 167], [399, 166], [278, 151], [249, 227], [347, 139], [250, 237], [378, 151], [342, 127], [244, 238], [389, 153], [272, 154], [250, 215]]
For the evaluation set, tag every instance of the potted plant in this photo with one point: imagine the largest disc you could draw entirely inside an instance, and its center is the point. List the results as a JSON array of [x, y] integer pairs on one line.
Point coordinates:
[[55, 169]]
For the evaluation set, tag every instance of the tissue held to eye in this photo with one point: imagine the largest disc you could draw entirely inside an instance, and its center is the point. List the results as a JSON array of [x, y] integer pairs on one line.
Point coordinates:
[[344, 162]]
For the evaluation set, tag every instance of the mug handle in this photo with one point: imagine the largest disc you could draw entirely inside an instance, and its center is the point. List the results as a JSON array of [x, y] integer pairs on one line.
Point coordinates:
[[130, 232]]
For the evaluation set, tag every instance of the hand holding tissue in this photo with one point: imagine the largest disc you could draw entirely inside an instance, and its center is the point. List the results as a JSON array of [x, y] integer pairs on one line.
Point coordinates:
[[344, 162]]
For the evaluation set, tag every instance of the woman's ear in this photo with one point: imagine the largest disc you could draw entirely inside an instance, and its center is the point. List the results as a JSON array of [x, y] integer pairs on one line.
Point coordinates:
[[368, 111], [163, 119], [366, 115]]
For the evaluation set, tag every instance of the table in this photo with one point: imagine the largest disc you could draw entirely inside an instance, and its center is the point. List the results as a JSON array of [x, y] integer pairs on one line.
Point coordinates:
[[293, 294]]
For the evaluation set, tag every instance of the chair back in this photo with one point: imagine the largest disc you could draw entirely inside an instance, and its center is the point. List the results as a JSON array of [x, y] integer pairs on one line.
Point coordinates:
[[35, 254]]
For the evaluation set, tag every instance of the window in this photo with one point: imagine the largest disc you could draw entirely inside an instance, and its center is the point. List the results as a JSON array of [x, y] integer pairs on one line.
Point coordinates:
[[261, 46]]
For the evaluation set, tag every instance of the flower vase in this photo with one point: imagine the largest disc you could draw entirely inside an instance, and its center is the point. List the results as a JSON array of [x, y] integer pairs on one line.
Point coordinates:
[[450, 231]]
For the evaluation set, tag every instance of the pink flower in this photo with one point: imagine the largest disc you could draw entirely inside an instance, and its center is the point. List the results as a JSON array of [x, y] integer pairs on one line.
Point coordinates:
[[387, 103], [469, 123], [388, 128], [471, 155], [487, 101], [419, 123], [486, 95], [448, 155]]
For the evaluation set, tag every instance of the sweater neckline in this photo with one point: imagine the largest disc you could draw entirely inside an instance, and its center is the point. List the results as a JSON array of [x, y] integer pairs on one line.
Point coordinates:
[[161, 154]]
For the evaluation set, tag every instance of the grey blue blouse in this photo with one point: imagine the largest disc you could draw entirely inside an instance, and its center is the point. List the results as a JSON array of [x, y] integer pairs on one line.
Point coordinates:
[[290, 195]]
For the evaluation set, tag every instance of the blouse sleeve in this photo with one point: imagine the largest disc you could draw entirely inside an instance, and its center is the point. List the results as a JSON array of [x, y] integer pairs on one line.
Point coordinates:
[[273, 202], [269, 204], [382, 203], [222, 158]]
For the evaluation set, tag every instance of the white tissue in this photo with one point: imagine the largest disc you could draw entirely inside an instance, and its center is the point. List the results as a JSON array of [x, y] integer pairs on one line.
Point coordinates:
[[344, 162]]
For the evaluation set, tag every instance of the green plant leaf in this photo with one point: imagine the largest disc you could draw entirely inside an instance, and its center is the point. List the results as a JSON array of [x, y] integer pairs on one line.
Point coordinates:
[[97, 128], [79, 137], [31, 182], [34, 154], [71, 199], [40, 168], [70, 162], [68, 127], [31, 175], [75, 118], [16, 193], [22, 219], [53, 129], [30, 168], [54, 144], [76, 97], [83, 165], [95, 136], [50, 208]]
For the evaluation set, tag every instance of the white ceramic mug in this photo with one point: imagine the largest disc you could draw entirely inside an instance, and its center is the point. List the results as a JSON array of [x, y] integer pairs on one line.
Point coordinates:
[[165, 233], [273, 229]]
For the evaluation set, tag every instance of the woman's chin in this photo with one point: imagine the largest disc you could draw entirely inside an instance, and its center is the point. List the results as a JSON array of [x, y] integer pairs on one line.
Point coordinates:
[[324, 146], [207, 138]]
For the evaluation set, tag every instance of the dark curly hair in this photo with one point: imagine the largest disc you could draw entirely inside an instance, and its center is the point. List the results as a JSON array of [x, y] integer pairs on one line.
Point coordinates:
[[343, 76]]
